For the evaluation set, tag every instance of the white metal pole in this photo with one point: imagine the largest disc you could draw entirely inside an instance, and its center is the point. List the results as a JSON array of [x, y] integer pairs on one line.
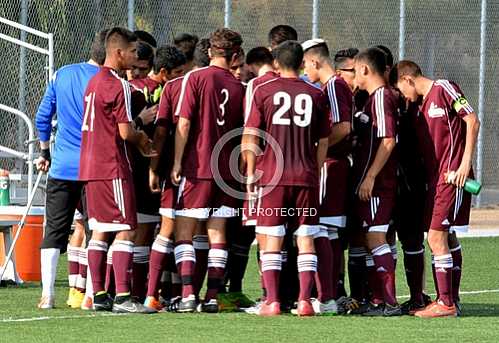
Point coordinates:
[[131, 18], [228, 13], [481, 96], [51, 55], [315, 19], [402, 30], [21, 102]]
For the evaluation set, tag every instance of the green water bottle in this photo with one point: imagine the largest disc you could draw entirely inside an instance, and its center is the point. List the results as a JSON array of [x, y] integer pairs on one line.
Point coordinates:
[[472, 186], [4, 188]]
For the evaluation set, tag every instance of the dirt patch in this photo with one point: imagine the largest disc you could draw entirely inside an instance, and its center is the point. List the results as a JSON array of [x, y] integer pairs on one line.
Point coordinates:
[[487, 217]]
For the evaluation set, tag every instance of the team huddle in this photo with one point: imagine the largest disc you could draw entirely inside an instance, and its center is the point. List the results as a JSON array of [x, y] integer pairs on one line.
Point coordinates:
[[178, 157]]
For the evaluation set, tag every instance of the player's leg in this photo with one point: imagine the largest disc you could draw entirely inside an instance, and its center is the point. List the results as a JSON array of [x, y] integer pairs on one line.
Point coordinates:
[[326, 290], [457, 267], [60, 205], [97, 256], [141, 252], [73, 252], [201, 247]]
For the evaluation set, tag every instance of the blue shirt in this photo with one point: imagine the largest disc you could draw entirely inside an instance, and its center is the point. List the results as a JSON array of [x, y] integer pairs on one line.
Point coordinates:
[[64, 96]]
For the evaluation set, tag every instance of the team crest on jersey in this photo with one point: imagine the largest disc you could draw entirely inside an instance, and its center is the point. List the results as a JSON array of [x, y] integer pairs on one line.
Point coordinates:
[[435, 111]]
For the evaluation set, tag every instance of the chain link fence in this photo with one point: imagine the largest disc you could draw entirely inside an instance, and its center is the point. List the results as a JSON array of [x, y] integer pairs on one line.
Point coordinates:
[[443, 36]]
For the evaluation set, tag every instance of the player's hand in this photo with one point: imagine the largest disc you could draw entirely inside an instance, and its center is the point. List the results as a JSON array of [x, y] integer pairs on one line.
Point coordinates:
[[42, 164], [148, 115], [458, 178], [251, 187], [366, 188], [146, 146], [154, 182], [176, 174]]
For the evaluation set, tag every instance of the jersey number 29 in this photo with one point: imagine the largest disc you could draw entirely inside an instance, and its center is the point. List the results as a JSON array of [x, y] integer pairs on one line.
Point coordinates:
[[302, 108]]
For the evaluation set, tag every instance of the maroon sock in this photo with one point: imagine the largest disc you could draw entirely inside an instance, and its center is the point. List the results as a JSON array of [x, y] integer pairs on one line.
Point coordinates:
[[414, 273], [217, 260], [307, 268], [443, 272], [271, 269], [81, 282], [185, 257], [337, 251], [140, 270], [262, 281], [97, 264], [73, 265], [176, 285], [433, 271], [357, 272], [201, 247], [323, 277], [122, 265], [457, 262], [385, 268], [161, 248], [373, 281]]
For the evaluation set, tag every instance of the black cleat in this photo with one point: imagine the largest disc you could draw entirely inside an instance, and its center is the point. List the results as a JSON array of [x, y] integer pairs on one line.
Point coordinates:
[[392, 310], [459, 308], [187, 305], [103, 302], [210, 306], [358, 308], [427, 299], [131, 305], [409, 307], [374, 310]]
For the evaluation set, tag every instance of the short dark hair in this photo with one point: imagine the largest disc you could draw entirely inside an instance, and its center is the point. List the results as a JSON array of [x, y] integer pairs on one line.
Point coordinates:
[[289, 55], [388, 53], [343, 55], [145, 52], [201, 57], [282, 33], [374, 58], [259, 56], [146, 37], [119, 36], [320, 50], [186, 43], [225, 43], [98, 49], [404, 68], [168, 57]]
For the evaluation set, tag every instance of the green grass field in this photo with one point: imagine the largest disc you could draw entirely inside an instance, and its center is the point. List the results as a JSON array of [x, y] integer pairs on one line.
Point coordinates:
[[20, 321]]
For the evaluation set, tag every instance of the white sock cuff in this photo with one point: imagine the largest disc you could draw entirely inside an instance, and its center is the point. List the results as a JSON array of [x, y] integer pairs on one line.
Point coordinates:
[[443, 261], [307, 263], [217, 258], [141, 254], [271, 261], [381, 250], [184, 253], [123, 246], [456, 248], [97, 245]]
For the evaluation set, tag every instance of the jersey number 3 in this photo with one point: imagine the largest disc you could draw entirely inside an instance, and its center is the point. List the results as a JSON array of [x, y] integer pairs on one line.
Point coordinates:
[[221, 120], [89, 110], [302, 108]]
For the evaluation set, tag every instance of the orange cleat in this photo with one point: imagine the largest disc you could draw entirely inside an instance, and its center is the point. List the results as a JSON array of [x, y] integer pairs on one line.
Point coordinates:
[[437, 309], [270, 310], [153, 303], [305, 309], [87, 304]]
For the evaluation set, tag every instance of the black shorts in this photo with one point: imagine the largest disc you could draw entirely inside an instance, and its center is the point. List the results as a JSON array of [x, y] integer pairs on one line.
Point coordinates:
[[62, 199]]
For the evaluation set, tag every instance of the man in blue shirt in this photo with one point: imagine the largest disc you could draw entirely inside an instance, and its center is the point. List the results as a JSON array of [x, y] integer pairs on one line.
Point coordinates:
[[64, 96]]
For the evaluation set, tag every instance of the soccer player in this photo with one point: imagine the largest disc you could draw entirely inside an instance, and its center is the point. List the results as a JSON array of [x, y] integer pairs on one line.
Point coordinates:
[[63, 96], [186, 43], [238, 66], [144, 64], [106, 171], [210, 104], [375, 175], [281, 33], [447, 131], [334, 173], [295, 114], [344, 65], [144, 36]]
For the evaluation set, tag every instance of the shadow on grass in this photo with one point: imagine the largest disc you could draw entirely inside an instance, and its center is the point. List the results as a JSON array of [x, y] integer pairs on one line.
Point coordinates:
[[480, 310]]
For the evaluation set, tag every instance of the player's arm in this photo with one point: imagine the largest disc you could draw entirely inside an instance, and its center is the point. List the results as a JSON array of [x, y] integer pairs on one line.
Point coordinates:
[[181, 136], [43, 122], [339, 132], [249, 143], [321, 152], [472, 129], [341, 108], [158, 142], [383, 153], [138, 138]]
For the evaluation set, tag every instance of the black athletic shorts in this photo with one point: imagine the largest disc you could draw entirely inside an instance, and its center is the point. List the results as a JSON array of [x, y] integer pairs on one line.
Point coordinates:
[[62, 199]]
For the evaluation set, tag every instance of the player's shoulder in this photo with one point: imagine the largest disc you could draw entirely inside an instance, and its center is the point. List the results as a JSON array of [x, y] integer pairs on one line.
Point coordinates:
[[265, 85], [448, 87]]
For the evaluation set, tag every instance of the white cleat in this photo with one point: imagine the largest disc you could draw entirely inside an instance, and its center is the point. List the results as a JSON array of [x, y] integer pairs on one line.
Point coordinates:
[[255, 309], [329, 308], [46, 303]]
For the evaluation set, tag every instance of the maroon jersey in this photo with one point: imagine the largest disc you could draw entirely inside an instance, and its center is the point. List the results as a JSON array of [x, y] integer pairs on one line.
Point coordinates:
[[341, 102], [443, 132], [378, 121], [212, 99], [295, 114], [104, 154], [252, 84]]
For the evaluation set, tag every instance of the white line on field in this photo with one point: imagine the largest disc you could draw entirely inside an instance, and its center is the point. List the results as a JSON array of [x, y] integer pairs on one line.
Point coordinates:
[[95, 315]]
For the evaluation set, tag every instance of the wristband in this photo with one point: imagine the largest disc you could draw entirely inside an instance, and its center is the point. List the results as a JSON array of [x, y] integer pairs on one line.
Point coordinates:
[[138, 122], [45, 153]]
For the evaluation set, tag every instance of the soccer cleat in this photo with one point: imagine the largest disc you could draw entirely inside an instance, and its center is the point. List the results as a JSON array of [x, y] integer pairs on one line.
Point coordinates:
[[357, 307], [172, 305], [329, 308], [103, 302], [240, 299], [253, 309], [427, 299], [459, 308], [411, 306], [188, 305], [225, 303], [72, 290], [392, 310], [152, 303], [374, 310], [210, 307], [269, 310], [46, 303], [437, 309], [77, 299], [87, 304], [305, 309], [131, 305]]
